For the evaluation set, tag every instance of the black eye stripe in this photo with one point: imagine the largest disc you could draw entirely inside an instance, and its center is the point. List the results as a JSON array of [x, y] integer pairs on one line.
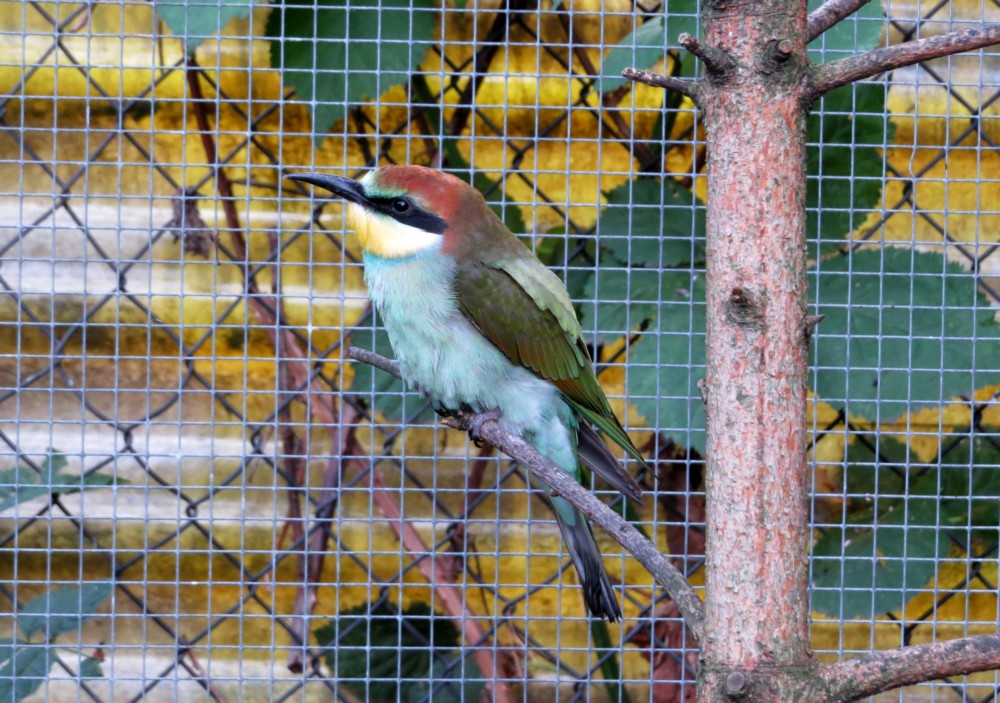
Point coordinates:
[[413, 216]]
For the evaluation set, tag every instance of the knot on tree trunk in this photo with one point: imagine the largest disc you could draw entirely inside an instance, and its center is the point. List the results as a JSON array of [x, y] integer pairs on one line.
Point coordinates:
[[743, 310]]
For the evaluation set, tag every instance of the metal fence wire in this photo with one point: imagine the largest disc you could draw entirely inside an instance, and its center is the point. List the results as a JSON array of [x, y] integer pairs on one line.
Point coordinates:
[[202, 500]]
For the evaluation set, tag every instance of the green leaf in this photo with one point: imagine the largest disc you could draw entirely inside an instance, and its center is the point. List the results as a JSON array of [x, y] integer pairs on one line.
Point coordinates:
[[647, 44], [62, 610], [450, 682], [970, 483], [640, 49], [23, 669], [845, 169], [667, 363], [867, 571], [384, 392], [90, 668], [373, 649], [387, 39], [648, 226], [901, 515], [21, 484], [652, 222], [903, 329], [868, 472], [857, 33], [193, 21]]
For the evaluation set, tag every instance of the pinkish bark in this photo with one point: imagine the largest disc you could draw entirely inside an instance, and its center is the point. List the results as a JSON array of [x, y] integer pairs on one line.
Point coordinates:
[[757, 610]]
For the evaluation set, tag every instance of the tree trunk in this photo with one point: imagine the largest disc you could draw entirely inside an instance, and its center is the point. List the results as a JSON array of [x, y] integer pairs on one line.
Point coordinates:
[[757, 525]]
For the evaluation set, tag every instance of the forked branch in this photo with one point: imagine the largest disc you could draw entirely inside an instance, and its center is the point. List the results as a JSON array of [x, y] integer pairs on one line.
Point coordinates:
[[837, 73], [883, 671], [665, 573]]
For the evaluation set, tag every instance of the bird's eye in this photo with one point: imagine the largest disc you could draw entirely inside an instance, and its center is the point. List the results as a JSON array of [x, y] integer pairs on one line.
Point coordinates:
[[400, 205]]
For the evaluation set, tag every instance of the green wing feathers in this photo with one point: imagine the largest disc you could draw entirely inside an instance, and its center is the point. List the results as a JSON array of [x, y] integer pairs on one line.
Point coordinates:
[[523, 308]]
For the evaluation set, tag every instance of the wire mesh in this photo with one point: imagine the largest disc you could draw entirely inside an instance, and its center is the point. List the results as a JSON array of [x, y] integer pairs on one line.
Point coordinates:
[[178, 421]]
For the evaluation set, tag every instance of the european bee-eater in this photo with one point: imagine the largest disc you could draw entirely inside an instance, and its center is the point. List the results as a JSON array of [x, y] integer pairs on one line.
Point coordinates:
[[479, 324]]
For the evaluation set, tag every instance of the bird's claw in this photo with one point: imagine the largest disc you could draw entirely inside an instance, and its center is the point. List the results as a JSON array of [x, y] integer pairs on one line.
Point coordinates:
[[477, 421]]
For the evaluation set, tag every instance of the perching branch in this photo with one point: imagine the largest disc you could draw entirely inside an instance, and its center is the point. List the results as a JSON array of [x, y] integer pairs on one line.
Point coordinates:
[[658, 80], [859, 678], [837, 73], [830, 13], [562, 484]]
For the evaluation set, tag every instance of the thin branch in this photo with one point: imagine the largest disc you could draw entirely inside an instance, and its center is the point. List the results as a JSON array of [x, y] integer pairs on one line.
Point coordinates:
[[564, 485], [830, 13], [658, 80], [321, 405], [435, 571], [859, 678], [199, 672], [715, 59], [837, 73], [208, 143]]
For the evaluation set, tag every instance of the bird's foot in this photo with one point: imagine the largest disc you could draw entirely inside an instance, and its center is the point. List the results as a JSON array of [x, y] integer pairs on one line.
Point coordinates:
[[477, 421]]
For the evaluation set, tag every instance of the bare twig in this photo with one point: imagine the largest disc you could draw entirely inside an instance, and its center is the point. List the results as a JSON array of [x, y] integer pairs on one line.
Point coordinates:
[[837, 73], [193, 73], [883, 671], [200, 673], [564, 485], [450, 595], [83, 20], [310, 564], [658, 80], [715, 59], [311, 553], [830, 13]]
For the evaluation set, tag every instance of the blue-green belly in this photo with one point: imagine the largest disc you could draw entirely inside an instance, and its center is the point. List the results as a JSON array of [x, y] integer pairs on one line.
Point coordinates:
[[442, 355]]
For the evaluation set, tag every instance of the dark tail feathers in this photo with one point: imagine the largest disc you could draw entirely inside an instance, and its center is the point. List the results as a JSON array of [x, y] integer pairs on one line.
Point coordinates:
[[586, 555], [594, 453]]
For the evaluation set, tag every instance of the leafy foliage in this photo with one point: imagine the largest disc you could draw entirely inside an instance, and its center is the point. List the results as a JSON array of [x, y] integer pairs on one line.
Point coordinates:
[[844, 169], [25, 664], [387, 39], [902, 329], [648, 43], [384, 654], [666, 365], [649, 229], [900, 518], [193, 22], [23, 483], [859, 32]]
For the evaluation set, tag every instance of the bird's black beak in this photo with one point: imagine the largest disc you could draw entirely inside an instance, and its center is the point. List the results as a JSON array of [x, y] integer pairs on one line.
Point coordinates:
[[346, 188]]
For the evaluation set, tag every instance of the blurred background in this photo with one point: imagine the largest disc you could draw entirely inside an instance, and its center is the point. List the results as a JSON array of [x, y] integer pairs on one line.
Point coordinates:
[[202, 500]]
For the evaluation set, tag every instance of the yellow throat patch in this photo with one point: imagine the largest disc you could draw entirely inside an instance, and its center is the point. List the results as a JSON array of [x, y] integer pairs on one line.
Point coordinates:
[[387, 238]]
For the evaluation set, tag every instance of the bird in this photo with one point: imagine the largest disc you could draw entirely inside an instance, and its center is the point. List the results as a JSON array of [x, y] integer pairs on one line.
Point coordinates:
[[478, 324]]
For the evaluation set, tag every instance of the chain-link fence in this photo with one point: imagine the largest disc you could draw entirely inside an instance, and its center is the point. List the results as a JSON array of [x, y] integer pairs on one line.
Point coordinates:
[[201, 499]]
